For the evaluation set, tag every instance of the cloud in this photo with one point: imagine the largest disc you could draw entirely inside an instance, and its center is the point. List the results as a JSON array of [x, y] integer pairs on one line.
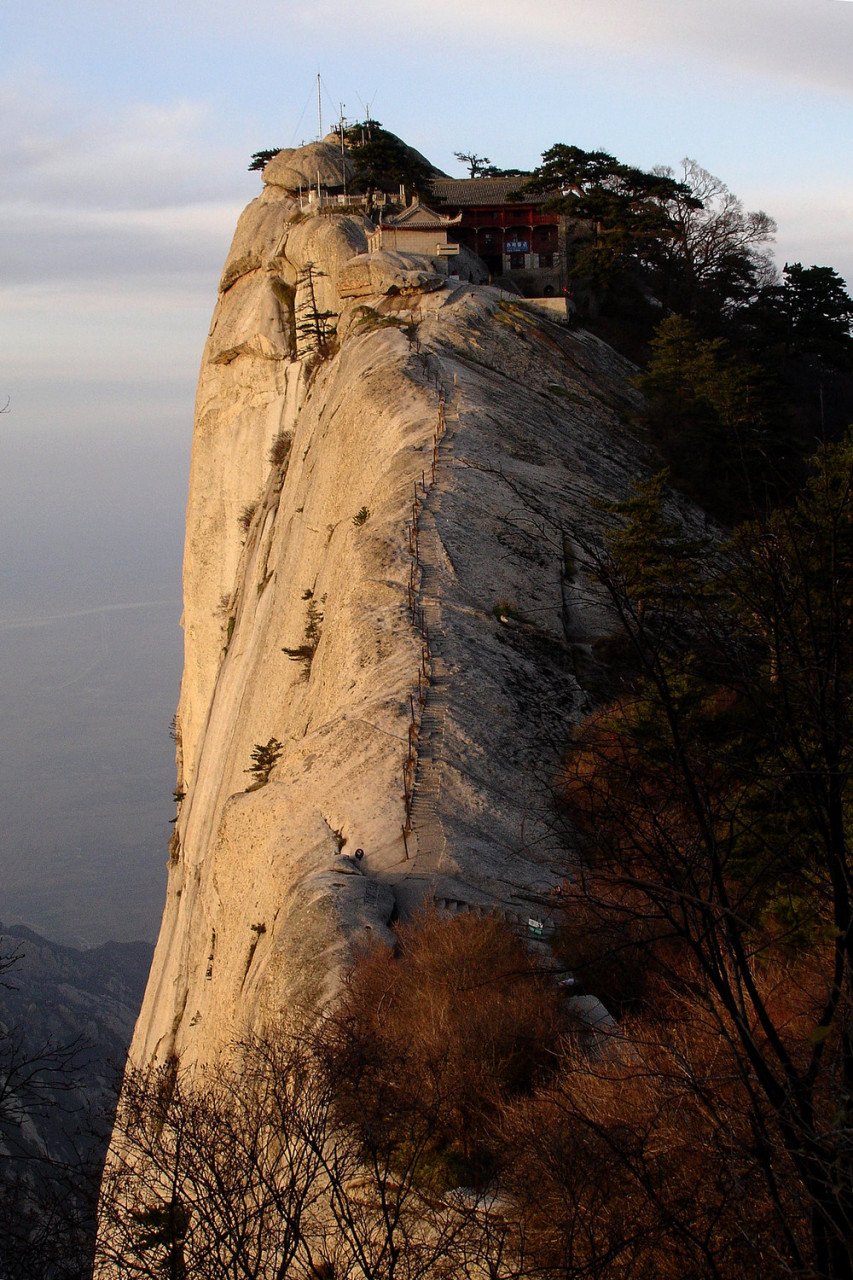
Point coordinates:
[[814, 232], [42, 244], [806, 42], [113, 229], [64, 148], [88, 196]]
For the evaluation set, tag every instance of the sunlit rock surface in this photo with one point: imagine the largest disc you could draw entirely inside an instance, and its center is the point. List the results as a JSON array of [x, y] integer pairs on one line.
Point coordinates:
[[397, 605]]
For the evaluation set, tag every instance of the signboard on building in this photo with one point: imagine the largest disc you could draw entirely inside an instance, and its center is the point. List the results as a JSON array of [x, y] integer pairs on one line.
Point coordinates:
[[517, 246]]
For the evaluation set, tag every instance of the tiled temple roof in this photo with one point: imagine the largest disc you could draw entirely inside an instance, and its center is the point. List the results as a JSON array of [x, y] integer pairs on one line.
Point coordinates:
[[475, 191]]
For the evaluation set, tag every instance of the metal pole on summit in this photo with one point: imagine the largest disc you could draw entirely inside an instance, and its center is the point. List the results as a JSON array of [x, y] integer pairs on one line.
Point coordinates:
[[319, 111], [343, 154]]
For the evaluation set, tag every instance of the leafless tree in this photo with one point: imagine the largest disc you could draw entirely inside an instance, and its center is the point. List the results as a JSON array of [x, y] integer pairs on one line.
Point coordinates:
[[715, 243], [712, 799], [304, 1157], [47, 1189]]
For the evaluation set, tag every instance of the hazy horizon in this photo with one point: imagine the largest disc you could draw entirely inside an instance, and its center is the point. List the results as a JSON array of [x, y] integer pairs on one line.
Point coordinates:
[[128, 132], [90, 658]]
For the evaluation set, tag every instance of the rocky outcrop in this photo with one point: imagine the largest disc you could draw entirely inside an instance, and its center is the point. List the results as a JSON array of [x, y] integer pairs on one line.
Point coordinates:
[[387, 272], [380, 592], [305, 167]]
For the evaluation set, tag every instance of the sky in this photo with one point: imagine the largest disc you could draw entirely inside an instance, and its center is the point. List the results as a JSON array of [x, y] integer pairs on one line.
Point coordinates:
[[126, 135]]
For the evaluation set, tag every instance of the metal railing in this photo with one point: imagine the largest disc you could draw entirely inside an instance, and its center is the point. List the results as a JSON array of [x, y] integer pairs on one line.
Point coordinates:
[[311, 200]]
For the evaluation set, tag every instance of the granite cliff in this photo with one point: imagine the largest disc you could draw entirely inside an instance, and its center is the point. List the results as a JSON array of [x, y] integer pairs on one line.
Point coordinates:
[[385, 624]]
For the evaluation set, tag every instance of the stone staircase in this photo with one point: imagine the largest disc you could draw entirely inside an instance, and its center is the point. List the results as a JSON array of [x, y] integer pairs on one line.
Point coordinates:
[[448, 906], [426, 819], [426, 796]]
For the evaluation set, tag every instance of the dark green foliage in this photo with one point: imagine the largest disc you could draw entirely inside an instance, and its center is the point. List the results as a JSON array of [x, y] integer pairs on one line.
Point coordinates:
[[494, 171], [280, 448], [264, 758], [638, 242], [382, 162], [261, 159], [316, 328], [737, 419], [482, 167], [708, 414], [477, 165], [736, 416], [652, 559], [313, 619], [810, 312], [799, 331], [624, 209], [368, 319], [247, 515], [178, 795], [304, 653]]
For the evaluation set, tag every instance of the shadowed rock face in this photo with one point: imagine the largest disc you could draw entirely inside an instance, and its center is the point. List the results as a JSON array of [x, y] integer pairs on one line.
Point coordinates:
[[59, 1005], [395, 606]]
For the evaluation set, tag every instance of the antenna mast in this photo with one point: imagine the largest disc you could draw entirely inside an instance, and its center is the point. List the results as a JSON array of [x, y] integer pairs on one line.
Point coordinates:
[[319, 111], [343, 153]]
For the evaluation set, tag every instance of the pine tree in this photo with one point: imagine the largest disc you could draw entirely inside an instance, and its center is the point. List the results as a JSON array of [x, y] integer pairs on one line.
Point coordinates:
[[264, 757]]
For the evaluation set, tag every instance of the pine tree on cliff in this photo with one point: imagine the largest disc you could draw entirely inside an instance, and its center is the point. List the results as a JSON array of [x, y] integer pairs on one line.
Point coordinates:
[[383, 162]]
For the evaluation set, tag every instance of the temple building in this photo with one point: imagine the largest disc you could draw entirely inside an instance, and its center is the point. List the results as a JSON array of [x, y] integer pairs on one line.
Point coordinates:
[[417, 229], [515, 237]]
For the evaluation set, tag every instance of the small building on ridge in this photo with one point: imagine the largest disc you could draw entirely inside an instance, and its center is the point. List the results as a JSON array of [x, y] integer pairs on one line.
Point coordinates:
[[417, 229]]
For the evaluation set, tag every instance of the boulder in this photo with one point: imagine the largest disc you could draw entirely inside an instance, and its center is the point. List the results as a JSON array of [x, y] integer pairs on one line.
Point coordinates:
[[388, 272], [328, 243], [303, 167]]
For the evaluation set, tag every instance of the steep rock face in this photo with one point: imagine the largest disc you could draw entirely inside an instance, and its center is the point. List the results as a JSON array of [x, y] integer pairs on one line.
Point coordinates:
[[296, 167], [398, 608]]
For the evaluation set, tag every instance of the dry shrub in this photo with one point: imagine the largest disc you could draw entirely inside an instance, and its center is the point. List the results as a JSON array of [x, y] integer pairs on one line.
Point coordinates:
[[280, 448], [215, 1173], [640, 1160], [454, 1023], [247, 515], [619, 1156]]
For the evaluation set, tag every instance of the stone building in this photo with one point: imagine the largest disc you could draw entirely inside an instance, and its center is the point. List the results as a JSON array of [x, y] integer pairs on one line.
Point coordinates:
[[417, 229]]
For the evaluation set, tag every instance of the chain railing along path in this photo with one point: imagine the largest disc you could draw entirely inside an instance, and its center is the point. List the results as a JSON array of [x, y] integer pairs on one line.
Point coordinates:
[[423, 835], [425, 763]]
